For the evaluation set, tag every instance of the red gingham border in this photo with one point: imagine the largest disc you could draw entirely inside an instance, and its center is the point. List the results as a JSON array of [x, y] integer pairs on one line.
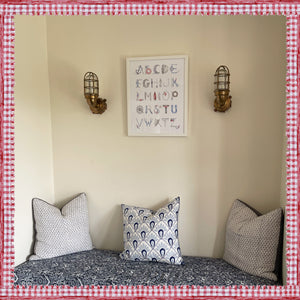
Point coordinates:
[[292, 149], [7, 35]]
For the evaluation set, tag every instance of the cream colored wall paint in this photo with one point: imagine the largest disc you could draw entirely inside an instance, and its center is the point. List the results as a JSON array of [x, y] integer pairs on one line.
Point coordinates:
[[33, 140], [225, 156]]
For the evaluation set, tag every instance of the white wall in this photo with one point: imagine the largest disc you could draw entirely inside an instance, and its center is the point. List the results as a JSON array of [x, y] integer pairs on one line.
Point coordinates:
[[33, 138], [225, 156]]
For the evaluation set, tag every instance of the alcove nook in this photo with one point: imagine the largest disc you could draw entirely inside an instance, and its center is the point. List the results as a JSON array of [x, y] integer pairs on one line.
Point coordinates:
[[63, 149]]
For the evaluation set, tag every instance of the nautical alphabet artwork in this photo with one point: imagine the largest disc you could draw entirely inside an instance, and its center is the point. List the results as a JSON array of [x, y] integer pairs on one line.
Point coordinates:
[[157, 96]]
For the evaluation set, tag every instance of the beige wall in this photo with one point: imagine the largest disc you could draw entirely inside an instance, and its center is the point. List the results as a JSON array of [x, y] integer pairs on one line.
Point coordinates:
[[225, 156], [34, 151]]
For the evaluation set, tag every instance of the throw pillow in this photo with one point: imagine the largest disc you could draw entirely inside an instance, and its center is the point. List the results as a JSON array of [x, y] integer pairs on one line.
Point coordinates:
[[151, 235], [60, 232], [252, 240]]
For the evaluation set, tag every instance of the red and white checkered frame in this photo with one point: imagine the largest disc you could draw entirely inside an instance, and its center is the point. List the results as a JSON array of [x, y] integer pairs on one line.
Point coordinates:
[[288, 8]]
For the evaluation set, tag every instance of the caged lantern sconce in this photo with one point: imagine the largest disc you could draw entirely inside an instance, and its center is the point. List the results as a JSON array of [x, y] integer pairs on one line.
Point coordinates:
[[91, 93], [223, 100]]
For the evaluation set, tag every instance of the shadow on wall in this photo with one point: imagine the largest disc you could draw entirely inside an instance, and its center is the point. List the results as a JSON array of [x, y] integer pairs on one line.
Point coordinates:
[[251, 153], [113, 230]]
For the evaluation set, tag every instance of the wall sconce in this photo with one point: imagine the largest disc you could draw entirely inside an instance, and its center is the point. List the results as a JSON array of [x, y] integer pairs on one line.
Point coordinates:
[[223, 100], [91, 93]]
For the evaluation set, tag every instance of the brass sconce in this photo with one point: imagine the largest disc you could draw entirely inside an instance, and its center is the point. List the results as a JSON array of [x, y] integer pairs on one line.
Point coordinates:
[[91, 93], [223, 100]]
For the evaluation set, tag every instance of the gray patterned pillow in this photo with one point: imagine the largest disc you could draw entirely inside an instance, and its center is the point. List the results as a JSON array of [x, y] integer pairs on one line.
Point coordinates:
[[252, 240], [60, 232], [150, 235]]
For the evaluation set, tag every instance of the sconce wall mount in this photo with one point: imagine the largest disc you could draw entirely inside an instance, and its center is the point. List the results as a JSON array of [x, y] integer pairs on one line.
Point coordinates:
[[91, 93], [223, 99]]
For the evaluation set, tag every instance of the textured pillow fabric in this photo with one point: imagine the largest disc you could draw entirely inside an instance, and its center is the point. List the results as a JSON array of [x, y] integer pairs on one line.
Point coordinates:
[[252, 240], [60, 232], [150, 235]]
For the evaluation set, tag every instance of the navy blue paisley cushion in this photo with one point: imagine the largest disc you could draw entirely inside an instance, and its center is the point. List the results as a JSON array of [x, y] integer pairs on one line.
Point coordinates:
[[151, 235], [104, 268]]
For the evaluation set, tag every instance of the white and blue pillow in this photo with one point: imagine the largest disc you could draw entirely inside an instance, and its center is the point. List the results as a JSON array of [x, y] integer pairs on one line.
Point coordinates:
[[151, 235]]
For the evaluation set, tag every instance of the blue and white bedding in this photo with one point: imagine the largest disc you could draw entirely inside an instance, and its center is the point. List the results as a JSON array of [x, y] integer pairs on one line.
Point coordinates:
[[104, 267]]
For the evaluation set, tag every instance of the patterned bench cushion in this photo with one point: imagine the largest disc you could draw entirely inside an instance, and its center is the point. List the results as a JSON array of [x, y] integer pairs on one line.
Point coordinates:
[[104, 267]]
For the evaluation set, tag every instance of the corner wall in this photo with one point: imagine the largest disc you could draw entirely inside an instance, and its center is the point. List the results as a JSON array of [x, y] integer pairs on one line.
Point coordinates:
[[33, 137]]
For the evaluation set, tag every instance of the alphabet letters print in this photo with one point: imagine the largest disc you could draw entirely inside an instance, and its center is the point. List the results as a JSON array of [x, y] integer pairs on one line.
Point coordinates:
[[157, 95]]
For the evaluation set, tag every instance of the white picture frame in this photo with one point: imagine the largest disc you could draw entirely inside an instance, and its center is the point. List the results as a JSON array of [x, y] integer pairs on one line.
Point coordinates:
[[157, 95]]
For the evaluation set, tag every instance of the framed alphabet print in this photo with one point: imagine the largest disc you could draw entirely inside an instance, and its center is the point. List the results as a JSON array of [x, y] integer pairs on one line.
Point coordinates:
[[157, 96]]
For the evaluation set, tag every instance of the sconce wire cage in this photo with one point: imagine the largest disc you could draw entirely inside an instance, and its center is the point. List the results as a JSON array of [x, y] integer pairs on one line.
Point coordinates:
[[91, 84], [222, 76], [222, 83], [91, 93]]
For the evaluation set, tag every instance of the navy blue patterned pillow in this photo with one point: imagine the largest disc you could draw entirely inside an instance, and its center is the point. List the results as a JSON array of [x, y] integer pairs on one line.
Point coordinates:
[[150, 235]]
